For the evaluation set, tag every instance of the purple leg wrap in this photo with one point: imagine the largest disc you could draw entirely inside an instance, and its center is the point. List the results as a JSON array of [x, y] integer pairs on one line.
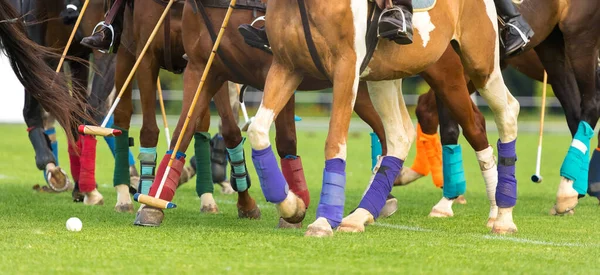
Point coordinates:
[[380, 188], [506, 191], [272, 182], [331, 205]]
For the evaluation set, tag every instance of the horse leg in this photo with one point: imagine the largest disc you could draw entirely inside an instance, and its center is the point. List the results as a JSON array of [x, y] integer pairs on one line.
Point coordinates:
[[291, 163], [122, 120], [389, 103], [280, 85], [581, 44], [594, 175], [150, 216], [429, 154], [240, 180], [202, 161], [486, 76]]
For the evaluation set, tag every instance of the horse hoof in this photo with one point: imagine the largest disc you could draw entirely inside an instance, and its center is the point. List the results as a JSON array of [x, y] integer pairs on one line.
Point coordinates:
[[292, 209], [461, 200], [124, 208], [356, 221], [283, 224], [252, 214], [208, 204], [553, 212], [490, 223], [57, 179], [209, 209], [93, 198], [504, 222], [442, 209], [77, 196], [226, 188], [564, 205], [319, 228], [149, 216], [390, 207]]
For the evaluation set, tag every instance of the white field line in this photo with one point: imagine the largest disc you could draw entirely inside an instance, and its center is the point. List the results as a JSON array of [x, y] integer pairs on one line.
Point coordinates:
[[403, 227]]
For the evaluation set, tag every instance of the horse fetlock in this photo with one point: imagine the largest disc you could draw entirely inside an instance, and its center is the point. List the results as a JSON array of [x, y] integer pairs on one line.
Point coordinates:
[[319, 228], [124, 203], [356, 221], [504, 222], [292, 209], [93, 198], [208, 204], [149, 216], [406, 176], [566, 197], [442, 209]]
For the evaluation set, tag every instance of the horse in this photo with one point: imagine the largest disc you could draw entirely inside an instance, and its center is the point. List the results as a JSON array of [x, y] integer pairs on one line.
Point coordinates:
[[336, 49], [573, 74], [26, 59]]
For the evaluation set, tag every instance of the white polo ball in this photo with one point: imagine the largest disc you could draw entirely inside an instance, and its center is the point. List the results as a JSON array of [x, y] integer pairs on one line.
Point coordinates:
[[74, 224]]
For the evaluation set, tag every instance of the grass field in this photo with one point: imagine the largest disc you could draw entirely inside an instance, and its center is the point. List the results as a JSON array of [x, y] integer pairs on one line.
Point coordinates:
[[33, 238]]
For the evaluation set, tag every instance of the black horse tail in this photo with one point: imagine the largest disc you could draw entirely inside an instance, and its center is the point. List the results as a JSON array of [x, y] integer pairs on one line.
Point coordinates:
[[27, 60]]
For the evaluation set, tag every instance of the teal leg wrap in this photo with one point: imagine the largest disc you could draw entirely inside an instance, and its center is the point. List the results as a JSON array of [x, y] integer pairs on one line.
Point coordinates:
[[576, 164], [147, 159], [121, 172], [204, 182], [239, 175], [454, 173], [375, 149]]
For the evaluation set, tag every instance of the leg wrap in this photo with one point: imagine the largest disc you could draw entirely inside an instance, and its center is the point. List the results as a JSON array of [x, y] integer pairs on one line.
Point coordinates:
[[121, 172], [74, 160], [291, 166], [87, 178], [172, 180], [272, 182], [240, 181], [53, 142], [506, 192], [454, 174], [41, 146], [576, 164], [218, 158], [147, 159], [429, 157], [381, 186], [375, 150], [204, 176], [331, 205], [594, 174]]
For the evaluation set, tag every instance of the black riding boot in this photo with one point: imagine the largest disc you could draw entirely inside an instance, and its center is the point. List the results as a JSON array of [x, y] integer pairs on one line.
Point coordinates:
[[255, 37], [103, 39], [516, 32], [396, 22]]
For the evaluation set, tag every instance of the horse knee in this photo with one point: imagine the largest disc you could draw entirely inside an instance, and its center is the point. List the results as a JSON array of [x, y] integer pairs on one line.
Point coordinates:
[[449, 135]]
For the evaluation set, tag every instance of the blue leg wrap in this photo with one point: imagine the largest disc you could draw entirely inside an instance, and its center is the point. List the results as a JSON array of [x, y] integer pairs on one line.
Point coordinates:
[[506, 191], [239, 175], [381, 186], [272, 182], [375, 149], [331, 205], [594, 175], [53, 144], [576, 164], [454, 173], [297, 118], [147, 159]]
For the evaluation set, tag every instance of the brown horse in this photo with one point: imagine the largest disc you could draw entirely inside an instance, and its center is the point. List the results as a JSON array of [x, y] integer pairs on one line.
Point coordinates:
[[559, 29], [337, 45]]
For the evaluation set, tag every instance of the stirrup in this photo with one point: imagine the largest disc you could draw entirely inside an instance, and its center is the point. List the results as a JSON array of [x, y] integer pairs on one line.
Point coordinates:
[[258, 19], [112, 32], [521, 34], [394, 8]]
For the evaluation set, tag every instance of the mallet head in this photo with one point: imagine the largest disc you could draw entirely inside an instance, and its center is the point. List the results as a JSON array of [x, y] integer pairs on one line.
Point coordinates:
[[536, 178]]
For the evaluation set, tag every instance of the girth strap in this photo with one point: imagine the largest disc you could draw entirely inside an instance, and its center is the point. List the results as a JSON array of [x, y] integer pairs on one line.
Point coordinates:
[[167, 46], [110, 17], [312, 49], [371, 37]]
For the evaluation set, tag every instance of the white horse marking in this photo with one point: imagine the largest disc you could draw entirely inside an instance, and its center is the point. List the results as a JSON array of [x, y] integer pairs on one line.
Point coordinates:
[[422, 22], [258, 132]]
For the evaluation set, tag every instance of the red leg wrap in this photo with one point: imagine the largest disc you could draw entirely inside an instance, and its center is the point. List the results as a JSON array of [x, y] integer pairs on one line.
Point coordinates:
[[87, 182], [294, 175], [172, 181], [74, 151]]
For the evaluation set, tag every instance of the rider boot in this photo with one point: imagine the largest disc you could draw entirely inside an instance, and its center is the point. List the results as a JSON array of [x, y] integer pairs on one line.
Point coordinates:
[[516, 32], [108, 37], [255, 37], [395, 22]]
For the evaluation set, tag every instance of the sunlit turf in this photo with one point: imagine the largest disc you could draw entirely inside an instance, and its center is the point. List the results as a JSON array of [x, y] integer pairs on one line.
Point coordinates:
[[33, 238]]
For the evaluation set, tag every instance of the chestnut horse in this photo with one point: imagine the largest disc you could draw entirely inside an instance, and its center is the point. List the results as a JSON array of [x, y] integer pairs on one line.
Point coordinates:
[[338, 45], [574, 76]]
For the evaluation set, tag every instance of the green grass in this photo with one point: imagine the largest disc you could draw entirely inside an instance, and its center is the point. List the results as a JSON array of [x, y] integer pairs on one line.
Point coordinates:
[[33, 238]]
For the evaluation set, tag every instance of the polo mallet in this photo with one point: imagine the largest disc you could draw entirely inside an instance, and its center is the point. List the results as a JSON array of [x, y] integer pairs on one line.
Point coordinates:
[[243, 106], [64, 54], [161, 205], [537, 177], [162, 109], [102, 130]]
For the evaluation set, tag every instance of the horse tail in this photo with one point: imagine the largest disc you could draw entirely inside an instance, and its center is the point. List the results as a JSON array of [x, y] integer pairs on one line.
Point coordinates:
[[27, 60]]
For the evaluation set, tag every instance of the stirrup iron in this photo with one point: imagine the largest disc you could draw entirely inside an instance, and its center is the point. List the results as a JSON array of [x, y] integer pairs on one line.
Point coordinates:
[[112, 32]]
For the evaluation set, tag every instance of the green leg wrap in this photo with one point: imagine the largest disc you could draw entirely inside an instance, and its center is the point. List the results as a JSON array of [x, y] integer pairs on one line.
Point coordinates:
[[121, 172], [204, 182], [576, 164], [454, 174]]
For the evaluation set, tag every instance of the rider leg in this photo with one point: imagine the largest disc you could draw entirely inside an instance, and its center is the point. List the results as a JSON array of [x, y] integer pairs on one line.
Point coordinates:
[[396, 21], [517, 32], [103, 38]]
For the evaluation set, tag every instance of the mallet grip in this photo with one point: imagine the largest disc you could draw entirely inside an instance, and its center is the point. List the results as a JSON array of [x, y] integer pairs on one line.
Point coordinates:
[[154, 202], [98, 131]]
